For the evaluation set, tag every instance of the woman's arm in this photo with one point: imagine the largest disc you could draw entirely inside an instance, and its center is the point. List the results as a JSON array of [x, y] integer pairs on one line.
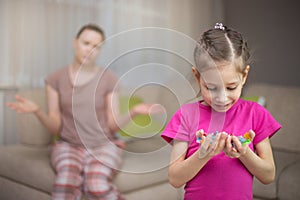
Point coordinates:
[[51, 120], [117, 121], [181, 170]]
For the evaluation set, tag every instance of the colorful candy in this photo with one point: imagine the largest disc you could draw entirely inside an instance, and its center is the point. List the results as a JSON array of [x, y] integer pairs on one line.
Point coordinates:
[[245, 139], [199, 140]]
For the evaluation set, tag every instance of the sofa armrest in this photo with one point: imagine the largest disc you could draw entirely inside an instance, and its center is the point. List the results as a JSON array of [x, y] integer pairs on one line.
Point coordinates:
[[289, 181]]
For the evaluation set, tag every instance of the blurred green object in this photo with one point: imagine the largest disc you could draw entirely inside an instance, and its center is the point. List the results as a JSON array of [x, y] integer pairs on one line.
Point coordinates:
[[258, 99], [55, 137], [140, 124]]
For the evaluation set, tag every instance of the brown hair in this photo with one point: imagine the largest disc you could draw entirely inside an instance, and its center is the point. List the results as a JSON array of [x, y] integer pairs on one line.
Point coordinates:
[[221, 44], [93, 27]]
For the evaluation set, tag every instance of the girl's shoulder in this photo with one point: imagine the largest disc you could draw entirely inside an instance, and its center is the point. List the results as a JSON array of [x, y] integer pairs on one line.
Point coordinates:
[[249, 105], [190, 107]]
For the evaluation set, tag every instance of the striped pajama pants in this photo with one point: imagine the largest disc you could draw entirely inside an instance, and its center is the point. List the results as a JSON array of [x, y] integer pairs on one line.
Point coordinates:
[[85, 172]]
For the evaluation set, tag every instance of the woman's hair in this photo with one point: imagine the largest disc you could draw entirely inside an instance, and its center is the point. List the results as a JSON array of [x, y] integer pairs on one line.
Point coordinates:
[[93, 27], [221, 44]]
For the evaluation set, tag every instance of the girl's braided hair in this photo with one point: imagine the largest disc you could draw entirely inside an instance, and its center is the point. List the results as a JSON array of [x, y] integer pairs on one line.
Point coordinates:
[[221, 44]]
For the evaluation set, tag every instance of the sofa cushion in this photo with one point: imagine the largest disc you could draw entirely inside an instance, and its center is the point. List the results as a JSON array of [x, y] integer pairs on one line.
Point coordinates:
[[30, 129], [145, 163], [31, 165], [27, 165], [288, 183], [161, 191], [283, 103], [10, 190]]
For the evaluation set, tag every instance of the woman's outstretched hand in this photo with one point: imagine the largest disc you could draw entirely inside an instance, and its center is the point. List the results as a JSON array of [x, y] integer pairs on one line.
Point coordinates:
[[23, 105], [234, 148], [148, 109]]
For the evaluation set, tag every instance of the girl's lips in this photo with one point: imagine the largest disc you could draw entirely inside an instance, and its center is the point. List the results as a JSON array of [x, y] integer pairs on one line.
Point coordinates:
[[222, 107]]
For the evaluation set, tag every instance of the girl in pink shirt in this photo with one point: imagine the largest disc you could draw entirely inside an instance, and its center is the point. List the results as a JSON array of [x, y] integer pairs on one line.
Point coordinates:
[[220, 166]]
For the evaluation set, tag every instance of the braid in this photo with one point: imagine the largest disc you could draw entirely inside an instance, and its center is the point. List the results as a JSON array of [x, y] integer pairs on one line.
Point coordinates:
[[221, 44]]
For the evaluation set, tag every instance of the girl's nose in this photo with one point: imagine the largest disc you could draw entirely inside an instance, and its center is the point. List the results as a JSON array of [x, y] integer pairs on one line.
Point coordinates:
[[221, 97]]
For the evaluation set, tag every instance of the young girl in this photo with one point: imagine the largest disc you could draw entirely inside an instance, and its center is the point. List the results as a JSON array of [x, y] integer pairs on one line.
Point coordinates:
[[216, 164]]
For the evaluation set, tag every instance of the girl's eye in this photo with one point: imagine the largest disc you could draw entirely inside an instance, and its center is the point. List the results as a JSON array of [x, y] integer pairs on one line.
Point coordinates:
[[231, 88], [211, 88]]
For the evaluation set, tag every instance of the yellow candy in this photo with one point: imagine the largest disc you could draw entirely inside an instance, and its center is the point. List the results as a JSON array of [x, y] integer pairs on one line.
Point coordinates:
[[247, 136]]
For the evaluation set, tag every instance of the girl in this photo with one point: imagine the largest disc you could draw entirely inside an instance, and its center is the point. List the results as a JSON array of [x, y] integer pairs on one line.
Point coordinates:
[[220, 166]]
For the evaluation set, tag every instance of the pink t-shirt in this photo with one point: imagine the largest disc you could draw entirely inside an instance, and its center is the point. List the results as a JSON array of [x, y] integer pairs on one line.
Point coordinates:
[[222, 177]]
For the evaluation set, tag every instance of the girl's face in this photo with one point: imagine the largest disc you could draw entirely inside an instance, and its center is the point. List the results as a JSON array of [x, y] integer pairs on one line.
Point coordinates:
[[87, 46], [221, 87]]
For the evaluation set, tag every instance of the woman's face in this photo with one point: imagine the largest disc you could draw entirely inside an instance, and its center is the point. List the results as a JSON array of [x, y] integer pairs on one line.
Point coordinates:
[[221, 87], [87, 46]]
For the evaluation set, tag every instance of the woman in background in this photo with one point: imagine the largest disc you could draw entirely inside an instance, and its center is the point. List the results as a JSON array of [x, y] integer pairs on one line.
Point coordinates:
[[85, 156]]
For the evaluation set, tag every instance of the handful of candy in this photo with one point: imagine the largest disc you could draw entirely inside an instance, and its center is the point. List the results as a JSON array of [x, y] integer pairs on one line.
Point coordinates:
[[199, 140], [244, 139], [201, 132]]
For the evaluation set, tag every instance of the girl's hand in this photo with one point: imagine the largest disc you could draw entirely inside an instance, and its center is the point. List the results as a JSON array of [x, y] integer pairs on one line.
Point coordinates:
[[234, 148], [212, 144], [23, 105], [200, 136]]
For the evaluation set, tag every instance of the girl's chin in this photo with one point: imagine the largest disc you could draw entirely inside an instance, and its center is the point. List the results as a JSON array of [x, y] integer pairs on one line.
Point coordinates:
[[219, 108], [222, 108]]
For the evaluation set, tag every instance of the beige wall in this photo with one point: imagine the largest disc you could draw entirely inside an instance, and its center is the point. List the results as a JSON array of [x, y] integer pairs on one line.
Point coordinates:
[[36, 39], [36, 36]]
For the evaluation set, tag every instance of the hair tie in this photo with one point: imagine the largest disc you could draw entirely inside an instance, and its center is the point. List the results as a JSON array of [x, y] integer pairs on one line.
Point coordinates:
[[219, 26]]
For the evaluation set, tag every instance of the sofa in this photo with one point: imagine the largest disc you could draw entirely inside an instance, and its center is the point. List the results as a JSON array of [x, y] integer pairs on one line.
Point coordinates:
[[283, 103], [25, 171]]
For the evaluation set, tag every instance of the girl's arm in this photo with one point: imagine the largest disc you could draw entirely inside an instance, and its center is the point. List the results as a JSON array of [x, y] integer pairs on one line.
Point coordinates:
[[182, 169], [260, 164]]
